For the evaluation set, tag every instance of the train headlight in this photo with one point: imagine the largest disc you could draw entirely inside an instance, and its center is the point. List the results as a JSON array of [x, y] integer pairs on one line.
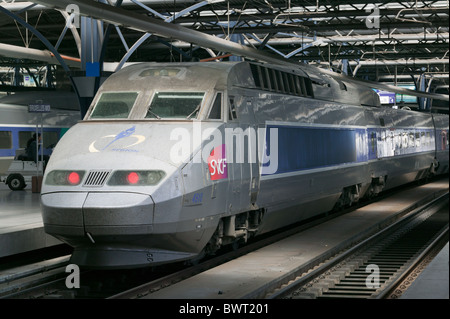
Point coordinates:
[[74, 178], [138, 178], [133, 178], [68, 178]]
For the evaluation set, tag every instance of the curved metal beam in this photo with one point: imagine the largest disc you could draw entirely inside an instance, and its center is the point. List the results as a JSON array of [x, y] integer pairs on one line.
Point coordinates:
[[34, 54], [39, 35], [73, 29], [147, 35], [146, 24], [47, 44]]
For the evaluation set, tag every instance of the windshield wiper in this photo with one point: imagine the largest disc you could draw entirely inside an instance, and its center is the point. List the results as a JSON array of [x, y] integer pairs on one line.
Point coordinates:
[[153, 113], [196, 110]]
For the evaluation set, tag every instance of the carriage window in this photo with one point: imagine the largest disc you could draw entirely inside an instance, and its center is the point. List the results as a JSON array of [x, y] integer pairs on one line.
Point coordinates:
[[5, 140], [216, 109], [24, 137], [175, 105], [417, 139], [116, 105], [411, 140], [50, 139]]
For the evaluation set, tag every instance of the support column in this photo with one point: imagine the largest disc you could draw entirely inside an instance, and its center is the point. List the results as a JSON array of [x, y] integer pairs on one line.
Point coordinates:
[[91, 43]]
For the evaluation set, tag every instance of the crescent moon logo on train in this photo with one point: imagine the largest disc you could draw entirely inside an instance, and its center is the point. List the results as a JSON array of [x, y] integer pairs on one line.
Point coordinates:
[[106, 141]]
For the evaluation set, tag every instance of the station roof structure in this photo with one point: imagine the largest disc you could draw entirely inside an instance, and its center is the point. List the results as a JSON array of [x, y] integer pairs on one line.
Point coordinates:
[[390, 41]]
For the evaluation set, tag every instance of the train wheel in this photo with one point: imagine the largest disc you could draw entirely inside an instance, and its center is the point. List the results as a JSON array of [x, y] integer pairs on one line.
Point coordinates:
[[16, 182], [236, 244]]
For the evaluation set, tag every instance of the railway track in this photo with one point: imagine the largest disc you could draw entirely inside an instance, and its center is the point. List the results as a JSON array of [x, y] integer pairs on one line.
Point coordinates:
[[47, 279], [52, 280], [376, 267], [133, 284], [23, 278]]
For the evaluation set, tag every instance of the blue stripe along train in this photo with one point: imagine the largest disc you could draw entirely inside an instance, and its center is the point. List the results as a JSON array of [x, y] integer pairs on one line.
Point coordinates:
[[173, 161]]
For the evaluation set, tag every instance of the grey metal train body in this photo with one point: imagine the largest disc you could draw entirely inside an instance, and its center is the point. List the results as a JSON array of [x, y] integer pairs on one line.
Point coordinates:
[[176, 160]]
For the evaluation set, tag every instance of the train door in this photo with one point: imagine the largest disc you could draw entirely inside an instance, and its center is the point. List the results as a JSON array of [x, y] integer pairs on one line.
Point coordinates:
[[252, 160], [243, 139], [233, 166]]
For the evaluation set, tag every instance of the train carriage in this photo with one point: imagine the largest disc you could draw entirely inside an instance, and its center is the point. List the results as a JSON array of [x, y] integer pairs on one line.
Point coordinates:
[[17, 126]]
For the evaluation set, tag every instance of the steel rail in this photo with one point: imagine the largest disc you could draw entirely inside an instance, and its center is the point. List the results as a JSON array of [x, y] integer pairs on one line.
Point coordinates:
[[330, 263]]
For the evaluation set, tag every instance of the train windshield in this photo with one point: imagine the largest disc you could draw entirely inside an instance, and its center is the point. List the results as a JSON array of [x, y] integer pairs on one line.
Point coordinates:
[[114, 105], [184, 105]]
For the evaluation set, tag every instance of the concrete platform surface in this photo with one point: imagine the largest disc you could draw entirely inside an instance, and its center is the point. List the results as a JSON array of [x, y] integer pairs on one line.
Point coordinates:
[[21, 227], [432, 283]]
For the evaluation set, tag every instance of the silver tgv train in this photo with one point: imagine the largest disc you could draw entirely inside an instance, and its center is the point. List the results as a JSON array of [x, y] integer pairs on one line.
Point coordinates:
[[175, 160]]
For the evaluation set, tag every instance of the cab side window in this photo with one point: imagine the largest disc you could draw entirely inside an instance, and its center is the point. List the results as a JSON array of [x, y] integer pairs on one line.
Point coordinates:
[[5, 139], [232, 115], [216, 109]]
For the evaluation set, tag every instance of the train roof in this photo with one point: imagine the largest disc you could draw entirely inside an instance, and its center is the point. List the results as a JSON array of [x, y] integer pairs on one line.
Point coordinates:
[[192, 76]]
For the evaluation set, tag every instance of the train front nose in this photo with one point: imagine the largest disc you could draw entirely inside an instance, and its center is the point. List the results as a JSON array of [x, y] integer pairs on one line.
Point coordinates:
[[118, 213], [99, 214], [102, 222]]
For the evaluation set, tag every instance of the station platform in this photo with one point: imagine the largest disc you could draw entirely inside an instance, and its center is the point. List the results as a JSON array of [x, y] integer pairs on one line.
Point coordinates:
[[432, 282], [21, 227], [244, 277]]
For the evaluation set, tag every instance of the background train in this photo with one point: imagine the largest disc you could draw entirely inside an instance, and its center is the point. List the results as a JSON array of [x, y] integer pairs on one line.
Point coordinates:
[[17, 126], [176, 160]]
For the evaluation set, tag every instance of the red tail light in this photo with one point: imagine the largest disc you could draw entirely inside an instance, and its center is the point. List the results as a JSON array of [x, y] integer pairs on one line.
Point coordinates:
[[133, 178], [74, 178]]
